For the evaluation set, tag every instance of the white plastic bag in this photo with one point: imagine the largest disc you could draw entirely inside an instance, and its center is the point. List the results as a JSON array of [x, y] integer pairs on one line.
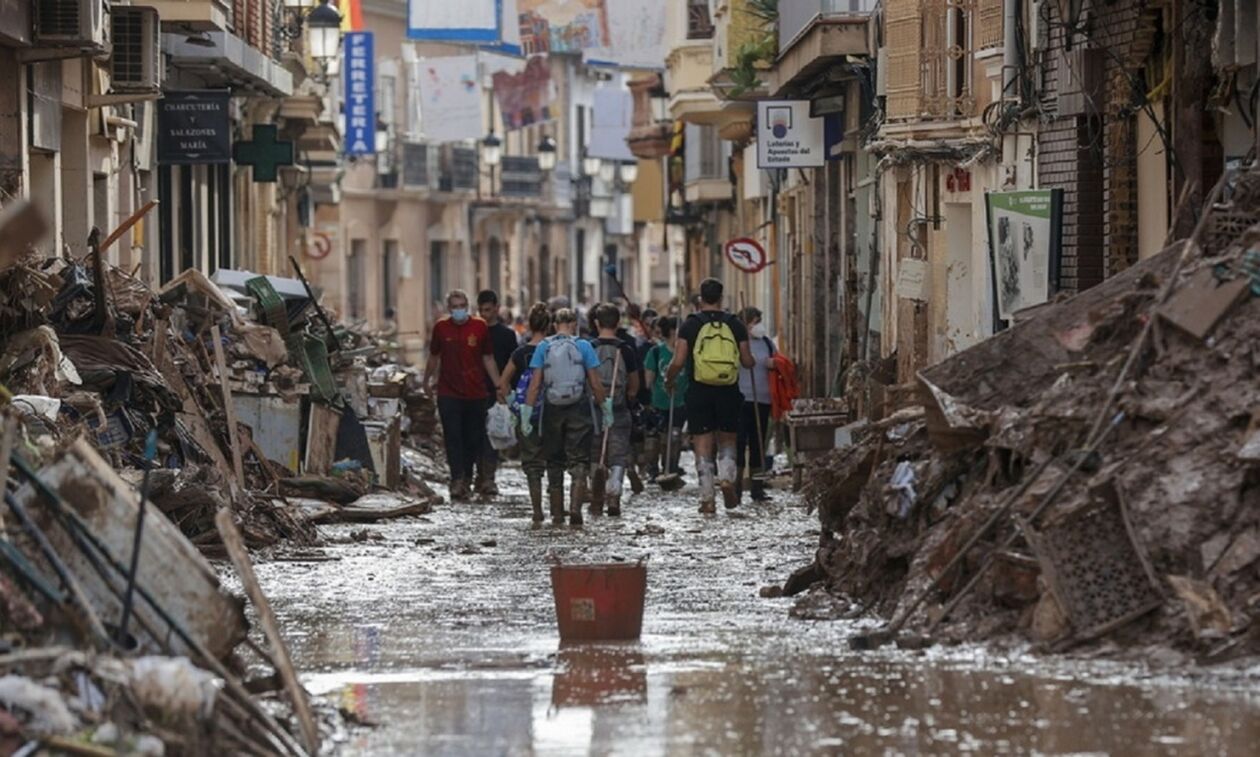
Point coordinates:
[[501, 427]]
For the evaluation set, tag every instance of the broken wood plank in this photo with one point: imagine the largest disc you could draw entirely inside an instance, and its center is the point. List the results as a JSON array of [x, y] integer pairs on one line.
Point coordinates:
[[235, 546], [321, 440], [229, 407]]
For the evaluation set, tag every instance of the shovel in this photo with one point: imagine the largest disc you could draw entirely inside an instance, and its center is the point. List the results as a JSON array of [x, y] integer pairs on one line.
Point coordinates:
[[599, 479], [669, 481]]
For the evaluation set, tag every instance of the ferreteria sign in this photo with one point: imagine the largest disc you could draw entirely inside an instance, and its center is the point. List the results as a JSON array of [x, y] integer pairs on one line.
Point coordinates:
[[194, 127], [787, 137]]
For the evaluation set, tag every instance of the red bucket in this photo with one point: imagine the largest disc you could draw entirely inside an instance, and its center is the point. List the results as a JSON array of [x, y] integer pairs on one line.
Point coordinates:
[[599, 602]]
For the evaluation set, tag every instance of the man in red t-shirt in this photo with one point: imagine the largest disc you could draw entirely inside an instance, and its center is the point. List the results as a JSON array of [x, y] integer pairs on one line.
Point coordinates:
[[460, 358]]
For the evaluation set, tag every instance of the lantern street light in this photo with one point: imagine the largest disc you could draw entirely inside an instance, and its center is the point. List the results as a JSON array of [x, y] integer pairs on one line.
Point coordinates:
[[607, 171], [591, 165], [547, 154], [323, 33], [491, 149], [629, 171]]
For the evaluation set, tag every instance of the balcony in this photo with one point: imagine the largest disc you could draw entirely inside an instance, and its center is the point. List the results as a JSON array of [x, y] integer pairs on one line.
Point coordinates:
[[690, 96], [813, 34], [706, 170], [419, 166], [193, 15], [522, 178]]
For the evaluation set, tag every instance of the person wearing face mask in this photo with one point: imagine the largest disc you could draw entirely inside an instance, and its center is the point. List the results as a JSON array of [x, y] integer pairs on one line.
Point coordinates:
[[754, 419], [461, 356]]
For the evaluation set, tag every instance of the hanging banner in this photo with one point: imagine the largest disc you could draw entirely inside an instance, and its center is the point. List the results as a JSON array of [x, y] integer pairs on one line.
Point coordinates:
[[469, 21], [509, 42], [562, 26], [787, 137], [450, 99], [194, 127], [1025, 247], [360, 78], [525, 98], [612, 116], [636, 36]]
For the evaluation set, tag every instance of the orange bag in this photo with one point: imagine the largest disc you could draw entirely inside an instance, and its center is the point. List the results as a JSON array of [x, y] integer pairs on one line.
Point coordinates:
[[784, 387]]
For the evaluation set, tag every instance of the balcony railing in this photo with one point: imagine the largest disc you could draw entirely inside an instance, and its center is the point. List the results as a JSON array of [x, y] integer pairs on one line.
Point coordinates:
[[796, 15], [521, 177], [419, 165], [459, 169]]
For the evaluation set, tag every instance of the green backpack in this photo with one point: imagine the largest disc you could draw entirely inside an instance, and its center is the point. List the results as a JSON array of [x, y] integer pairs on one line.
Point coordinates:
[[716, 359]]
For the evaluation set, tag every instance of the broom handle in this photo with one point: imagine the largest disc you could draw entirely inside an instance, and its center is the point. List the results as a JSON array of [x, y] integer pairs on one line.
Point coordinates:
[[603, 453], [669, 430]]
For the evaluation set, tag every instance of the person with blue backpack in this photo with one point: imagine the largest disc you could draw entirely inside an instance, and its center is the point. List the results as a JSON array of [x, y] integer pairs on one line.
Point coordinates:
[[565, 377], [514, 388]]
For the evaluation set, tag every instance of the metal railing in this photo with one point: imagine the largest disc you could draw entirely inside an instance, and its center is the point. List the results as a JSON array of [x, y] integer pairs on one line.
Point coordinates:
[[797, 15]]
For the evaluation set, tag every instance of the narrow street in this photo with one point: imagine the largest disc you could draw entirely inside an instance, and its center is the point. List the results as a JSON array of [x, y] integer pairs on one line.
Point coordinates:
[[443, 633]]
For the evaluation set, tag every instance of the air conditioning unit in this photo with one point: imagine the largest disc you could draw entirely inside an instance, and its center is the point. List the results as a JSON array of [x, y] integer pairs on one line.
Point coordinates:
[[135, 63], [72, 23]]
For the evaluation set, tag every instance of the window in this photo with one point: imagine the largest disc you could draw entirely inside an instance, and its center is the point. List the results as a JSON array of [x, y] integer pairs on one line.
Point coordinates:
[[699, 23], [356, 279], [437, 273], [389, 276]]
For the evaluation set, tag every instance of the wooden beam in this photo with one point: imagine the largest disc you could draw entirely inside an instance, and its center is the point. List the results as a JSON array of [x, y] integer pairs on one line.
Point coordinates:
[[235, 546], [229, 409]]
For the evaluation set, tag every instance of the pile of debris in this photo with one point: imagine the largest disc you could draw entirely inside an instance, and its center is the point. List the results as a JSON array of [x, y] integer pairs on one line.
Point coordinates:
[[1092, 471], [254, 392], [117, 635]]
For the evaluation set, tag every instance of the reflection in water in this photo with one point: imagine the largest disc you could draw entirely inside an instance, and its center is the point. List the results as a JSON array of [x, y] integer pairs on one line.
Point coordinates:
[[453, 650]]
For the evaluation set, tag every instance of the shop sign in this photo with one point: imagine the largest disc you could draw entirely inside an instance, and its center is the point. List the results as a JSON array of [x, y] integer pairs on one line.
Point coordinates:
[[194, 127], [788, 137], [360, 77]]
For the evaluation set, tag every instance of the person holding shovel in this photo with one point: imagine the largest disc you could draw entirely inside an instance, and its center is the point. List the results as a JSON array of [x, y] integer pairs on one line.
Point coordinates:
[[619, 374], [711, 346], [754, 417], [565, 377], [662, 421]]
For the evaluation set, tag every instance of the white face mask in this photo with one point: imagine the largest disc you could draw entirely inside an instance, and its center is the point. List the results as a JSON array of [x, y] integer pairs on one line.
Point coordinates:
[[758, 331]]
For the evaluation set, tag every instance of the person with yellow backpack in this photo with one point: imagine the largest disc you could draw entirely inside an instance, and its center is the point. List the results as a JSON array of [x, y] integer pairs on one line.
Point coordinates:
[[712, 345]]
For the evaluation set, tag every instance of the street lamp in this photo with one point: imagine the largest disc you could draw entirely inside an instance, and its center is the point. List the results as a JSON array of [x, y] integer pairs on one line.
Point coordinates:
[[382, 136], [491, 150], [547, 154], [323, 33], [590, 165], [607, 171], [629, 171]]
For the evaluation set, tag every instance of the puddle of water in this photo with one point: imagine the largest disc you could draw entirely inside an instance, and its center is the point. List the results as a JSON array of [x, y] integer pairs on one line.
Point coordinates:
[[451, 646]]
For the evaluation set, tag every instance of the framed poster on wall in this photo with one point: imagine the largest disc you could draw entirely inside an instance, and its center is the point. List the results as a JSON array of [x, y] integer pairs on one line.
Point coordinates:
[[1025, 249]]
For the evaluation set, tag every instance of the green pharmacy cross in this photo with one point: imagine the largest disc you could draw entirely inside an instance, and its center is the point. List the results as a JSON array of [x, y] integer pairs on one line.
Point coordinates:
[[264, 152]]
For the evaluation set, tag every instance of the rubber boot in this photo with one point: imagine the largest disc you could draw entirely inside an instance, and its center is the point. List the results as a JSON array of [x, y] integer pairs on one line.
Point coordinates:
[[705, 470], [557, 505], [576, 495], [758, 489], [727, 471], [652, 454], [536, 497], [616, 475], [636, 483], [596, 496]]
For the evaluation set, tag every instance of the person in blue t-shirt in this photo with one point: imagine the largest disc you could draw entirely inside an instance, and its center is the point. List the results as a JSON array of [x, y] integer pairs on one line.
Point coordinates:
[[566, 377]]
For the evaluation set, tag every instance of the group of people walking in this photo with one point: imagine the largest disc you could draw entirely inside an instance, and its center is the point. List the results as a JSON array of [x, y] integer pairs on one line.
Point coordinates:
[[613, 396]]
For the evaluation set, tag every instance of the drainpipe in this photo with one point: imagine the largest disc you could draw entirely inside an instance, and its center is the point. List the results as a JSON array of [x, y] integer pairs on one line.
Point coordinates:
[[1012, 56]]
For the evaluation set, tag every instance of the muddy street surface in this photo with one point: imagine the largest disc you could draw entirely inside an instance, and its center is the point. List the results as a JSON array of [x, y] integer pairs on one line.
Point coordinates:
[[442, 631]]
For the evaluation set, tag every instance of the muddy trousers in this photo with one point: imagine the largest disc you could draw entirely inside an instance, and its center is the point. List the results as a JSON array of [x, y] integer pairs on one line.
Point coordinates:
[[534, 464], [567, 431], [464, 432]]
